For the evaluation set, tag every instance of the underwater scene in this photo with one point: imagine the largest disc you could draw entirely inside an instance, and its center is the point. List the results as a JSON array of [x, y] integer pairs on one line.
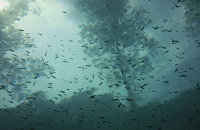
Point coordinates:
[[99, 64]]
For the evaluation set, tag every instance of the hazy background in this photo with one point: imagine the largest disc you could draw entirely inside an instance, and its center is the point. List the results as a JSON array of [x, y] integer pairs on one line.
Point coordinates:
[[58, 28]]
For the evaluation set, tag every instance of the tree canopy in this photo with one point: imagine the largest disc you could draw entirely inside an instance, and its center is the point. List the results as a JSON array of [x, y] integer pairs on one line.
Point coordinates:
[[17, 71], [192, 16], [114, 37]]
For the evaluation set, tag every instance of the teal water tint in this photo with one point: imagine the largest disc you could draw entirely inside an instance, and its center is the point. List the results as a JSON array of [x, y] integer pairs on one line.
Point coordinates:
[[99, 64]]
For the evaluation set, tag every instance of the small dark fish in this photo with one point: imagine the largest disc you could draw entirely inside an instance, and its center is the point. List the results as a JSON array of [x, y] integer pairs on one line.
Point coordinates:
[[106, 41], [34, 83], [119, 105], [2, 87], [56, 57], [129, 99], [116, 84], [92, 96], [10, 101], [155, 27], [167, 82], [39, 34], [142, 28], [62, 91], [183, 76], [27, 51], [144, 85], [100, 83], [63, 11], [165, 20], [125, 82], [177, 5], [176, 69], [53, 76], [93, 75], [45, 54], [80, 121]]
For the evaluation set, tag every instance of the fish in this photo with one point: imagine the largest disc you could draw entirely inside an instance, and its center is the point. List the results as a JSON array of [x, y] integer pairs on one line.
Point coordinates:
[[177, 5], [165, 20], [34, 82], [92, 96], [27, 51], [2, 87], [45, 54], [142, 28], [53, 76], [80, 121], [119, 104], [39, 34], [56, 57], [156, 27], [10, 101], [125, 82], [176, 69], [100, 83], [144, 85], [129, 99], [21, 30], [167, 82], [182, 76], [63, 11]]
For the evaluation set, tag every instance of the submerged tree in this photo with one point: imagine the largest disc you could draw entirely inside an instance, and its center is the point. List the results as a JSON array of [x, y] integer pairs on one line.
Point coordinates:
[[17, 71], [192, 16], [114, 37]]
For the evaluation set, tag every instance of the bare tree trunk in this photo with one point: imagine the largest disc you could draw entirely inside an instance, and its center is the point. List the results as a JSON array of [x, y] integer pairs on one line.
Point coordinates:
[[130, 94]]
